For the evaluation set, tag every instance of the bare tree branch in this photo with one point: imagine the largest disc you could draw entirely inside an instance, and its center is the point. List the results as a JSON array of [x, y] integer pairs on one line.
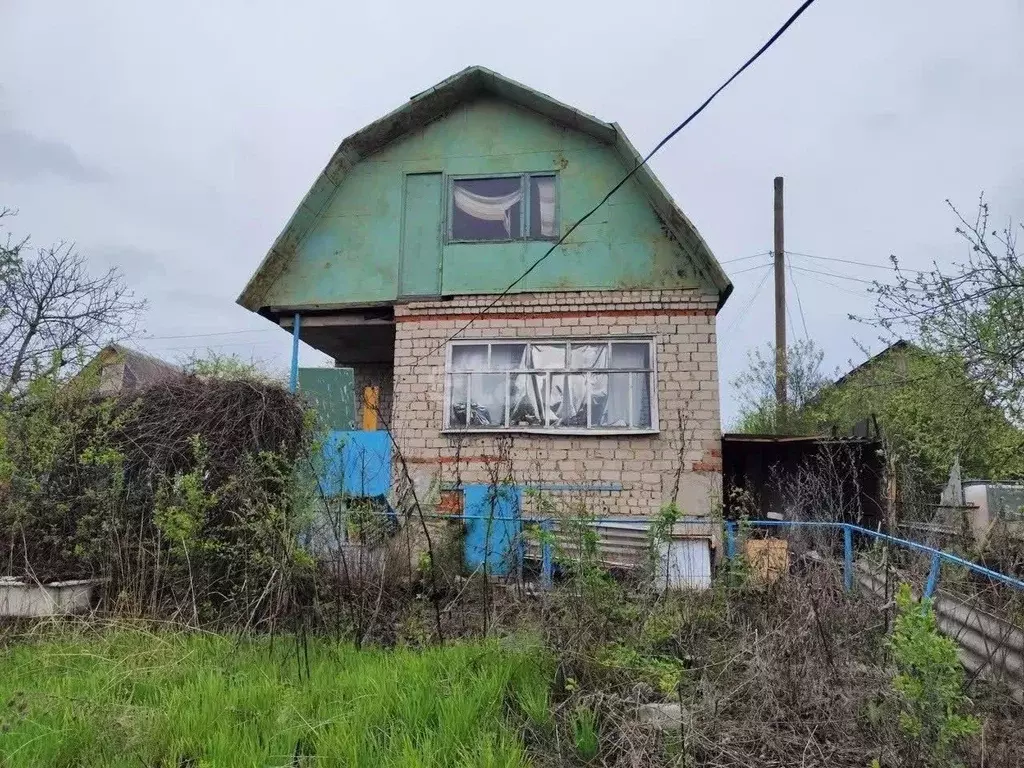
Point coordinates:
[[755, 389], [55, 310], [974, 311]]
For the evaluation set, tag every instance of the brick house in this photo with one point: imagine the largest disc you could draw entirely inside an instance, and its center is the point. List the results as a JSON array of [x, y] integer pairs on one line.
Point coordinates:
[[600, 364]]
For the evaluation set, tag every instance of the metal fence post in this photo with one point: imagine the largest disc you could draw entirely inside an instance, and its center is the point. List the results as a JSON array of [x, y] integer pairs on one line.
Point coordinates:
[[847, 558], [730, 540], [933, 575], [546, 566]]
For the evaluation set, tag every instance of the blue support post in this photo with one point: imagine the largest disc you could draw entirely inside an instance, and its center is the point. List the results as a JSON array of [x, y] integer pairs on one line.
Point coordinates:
[[293, 381], [730, 540], [848, 558], [546, 566], [933, 575]]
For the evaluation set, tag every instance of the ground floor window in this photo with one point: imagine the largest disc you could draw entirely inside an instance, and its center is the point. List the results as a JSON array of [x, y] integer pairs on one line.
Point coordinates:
[[548, 385]]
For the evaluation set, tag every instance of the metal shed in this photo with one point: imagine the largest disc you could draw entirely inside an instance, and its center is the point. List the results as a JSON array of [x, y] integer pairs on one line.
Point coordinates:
[[756, 469]]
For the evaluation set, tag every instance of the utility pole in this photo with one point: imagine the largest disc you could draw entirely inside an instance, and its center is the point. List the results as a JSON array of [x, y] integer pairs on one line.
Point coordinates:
[[780, 302]]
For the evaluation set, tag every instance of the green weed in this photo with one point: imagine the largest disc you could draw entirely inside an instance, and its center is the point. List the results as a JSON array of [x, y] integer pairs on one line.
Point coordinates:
[[535, 705], [585, 732], [662, 673], [930, 682], [130, 698]]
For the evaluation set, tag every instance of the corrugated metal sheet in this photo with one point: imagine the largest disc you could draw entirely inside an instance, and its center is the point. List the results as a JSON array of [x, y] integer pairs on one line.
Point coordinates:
[[626, 543], [989, 645]]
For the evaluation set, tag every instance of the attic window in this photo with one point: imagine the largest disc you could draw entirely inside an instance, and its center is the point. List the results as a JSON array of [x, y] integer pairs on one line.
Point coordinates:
[[500, 208]]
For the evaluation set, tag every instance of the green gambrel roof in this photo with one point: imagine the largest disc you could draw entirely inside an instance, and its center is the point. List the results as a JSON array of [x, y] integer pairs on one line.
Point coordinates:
[[436, 103]]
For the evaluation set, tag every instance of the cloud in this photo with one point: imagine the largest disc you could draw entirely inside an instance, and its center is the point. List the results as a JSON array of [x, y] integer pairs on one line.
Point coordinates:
[[882, 120], [25, 157], [140, 265], [873, 118]]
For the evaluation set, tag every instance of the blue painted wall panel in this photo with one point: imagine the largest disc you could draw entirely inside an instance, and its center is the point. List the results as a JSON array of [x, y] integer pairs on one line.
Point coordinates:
[[357, 463], [502, 548]]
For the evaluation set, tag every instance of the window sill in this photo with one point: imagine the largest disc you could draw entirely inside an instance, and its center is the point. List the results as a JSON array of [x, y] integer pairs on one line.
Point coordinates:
[[458, 241], [612, 432]]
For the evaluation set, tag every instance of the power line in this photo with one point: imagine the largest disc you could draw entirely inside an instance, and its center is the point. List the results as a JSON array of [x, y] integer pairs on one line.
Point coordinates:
[[888, 268], [199, 335], [693, 115], [750, 269], [873, 283], [221, 346], [838, 275], [838, 287], [799, 303], [745, 258], [842, 261], [746, 307], [277, 328]]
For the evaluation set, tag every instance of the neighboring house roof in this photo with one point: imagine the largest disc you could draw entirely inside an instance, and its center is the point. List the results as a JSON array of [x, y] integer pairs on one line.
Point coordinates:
[[743, 437], [899, 346], [123, 369], [435, 103]]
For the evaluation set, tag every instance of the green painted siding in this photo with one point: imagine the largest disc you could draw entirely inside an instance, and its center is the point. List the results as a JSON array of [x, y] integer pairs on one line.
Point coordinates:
[[419, 271], [353, 252], [331, 392]]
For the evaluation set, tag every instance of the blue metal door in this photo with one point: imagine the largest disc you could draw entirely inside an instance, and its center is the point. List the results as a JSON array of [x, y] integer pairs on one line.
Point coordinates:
[[493, 528]]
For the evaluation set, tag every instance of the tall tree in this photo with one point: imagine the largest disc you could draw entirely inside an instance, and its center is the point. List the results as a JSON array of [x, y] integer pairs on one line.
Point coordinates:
[[930, 413], [973, 311], [755, 389], [54, 309]]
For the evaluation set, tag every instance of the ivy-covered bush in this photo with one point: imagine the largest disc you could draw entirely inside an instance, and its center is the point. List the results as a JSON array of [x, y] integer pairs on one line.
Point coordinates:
[[184, 498]]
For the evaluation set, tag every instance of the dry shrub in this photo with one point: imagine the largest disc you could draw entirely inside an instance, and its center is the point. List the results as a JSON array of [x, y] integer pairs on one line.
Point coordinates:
[[183, 498], [795, 684], [234, 417], [795, 673]]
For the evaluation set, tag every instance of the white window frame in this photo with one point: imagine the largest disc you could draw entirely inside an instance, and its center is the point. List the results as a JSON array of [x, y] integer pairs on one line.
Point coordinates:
[[525, 209], [652, 373]]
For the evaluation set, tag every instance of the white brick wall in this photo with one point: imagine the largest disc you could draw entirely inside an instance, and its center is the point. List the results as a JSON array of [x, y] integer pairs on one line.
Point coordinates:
[[682, 324]]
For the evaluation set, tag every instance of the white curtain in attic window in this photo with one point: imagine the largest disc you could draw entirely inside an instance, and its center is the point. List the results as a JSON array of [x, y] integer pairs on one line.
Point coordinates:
[[545, 187], [490, 208]]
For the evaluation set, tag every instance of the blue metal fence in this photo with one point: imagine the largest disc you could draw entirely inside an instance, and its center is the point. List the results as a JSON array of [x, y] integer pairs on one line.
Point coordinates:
[[938, 557], [730, 537]]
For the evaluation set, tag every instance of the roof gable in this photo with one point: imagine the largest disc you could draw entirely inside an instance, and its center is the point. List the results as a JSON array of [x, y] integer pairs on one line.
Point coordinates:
[[438, 102], [117, 369], [899, 347]]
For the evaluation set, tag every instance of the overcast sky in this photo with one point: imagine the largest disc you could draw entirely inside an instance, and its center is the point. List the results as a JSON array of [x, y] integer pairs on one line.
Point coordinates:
[[174, 140]]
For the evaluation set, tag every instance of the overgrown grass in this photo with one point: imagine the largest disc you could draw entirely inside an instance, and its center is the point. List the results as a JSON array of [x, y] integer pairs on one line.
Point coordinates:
[[134, 698]]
